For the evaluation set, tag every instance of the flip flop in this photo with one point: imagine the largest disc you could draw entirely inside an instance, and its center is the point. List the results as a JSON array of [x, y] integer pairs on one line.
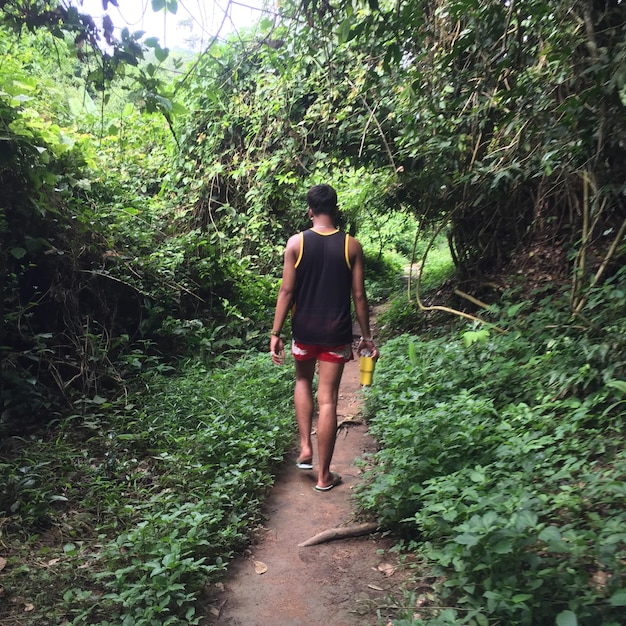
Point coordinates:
[[336, 480], [305, 465]]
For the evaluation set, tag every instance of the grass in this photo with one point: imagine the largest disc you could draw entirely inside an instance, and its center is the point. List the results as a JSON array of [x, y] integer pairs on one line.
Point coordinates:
[[401, 313], [122, 516], [501, 462]]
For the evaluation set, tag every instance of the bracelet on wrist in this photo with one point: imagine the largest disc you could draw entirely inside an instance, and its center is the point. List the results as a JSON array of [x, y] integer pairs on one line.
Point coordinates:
[[366, 339], [275, 333]]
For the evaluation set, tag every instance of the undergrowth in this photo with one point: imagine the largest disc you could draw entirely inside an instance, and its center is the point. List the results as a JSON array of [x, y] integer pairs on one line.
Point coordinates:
[[121, 514], [401, 313], [502, 464]]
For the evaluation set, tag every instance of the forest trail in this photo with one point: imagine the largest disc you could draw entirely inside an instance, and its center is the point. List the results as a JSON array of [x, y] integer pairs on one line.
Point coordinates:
[[339, 583]]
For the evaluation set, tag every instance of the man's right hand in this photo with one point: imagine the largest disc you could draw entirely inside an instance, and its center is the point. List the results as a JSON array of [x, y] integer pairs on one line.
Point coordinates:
[[277, 350]]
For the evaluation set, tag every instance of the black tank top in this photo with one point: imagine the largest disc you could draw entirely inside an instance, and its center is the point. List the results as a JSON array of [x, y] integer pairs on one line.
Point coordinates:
[[321, 304]]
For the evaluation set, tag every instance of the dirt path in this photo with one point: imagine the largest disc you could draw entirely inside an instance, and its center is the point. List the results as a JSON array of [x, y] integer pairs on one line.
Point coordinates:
[[339, 583]]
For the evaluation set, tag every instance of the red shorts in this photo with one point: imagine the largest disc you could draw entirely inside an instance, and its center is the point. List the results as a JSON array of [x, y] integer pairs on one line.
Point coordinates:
[[332, 354]]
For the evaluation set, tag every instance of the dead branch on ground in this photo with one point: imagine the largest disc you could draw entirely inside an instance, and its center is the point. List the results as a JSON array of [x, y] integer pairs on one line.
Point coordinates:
[[342, 532]]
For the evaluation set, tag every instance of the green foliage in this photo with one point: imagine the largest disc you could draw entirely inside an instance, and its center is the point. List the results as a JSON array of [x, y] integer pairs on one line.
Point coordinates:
[[117, 259], [43, 173], [502, 454], [150, 497], [438, 267], [402, 314], [383, 276], [399, 316], [93, 269], [106, 56]]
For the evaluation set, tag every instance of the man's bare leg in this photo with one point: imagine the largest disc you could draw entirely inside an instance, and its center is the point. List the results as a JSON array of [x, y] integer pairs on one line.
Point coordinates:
[[303, 404], [327, 396]]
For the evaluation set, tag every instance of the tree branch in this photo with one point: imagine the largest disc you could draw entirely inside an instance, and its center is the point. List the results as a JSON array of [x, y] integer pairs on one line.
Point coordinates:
[[342, 532]]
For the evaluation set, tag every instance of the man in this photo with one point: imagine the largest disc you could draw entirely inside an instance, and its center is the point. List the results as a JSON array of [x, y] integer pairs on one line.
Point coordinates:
[[323, 268]]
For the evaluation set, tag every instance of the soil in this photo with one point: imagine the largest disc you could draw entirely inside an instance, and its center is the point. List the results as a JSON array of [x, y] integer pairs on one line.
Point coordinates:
[[338, 583]]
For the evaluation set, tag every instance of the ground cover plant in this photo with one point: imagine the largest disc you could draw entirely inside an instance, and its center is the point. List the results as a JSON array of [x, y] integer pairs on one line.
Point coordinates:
[[427, 270], [502, 463], [143, 212], [123, 513]]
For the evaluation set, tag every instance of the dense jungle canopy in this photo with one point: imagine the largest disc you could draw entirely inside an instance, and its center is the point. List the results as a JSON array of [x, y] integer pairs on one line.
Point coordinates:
[[146, 194], [502, 122]]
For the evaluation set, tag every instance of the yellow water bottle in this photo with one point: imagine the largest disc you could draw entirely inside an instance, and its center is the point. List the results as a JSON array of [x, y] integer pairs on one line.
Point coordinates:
[[366, 367]]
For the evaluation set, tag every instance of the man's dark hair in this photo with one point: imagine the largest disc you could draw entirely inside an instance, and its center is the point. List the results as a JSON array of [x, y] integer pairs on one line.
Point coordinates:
[[322, 199]]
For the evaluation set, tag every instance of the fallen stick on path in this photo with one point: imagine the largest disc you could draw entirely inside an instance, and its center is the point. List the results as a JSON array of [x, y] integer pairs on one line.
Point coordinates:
[[342, 532], [351, 420]]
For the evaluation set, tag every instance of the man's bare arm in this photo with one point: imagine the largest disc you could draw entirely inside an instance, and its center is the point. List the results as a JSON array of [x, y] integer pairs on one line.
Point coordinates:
[[285, 295], [359, 297]]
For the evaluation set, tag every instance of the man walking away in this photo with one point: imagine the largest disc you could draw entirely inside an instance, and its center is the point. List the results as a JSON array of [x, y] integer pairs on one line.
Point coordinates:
[[322, 273]]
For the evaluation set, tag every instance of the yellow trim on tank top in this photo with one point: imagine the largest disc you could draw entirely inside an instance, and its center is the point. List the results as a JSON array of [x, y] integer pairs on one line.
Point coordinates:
[[325, 234], [301, 251], [345, 252]]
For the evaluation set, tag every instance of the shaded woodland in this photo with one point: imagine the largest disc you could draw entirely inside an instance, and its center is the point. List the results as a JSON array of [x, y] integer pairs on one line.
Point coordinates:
[[501, 123], [146, 195]]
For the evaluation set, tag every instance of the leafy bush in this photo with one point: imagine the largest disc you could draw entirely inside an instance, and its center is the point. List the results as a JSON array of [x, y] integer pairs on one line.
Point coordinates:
[[502, 453], [438, 267], [399, 316], [383, 276], [402, 313], [152, 496], [388, 232]]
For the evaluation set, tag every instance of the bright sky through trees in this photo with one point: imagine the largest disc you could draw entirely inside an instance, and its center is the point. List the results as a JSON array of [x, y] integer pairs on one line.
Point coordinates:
[[193, 26]]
